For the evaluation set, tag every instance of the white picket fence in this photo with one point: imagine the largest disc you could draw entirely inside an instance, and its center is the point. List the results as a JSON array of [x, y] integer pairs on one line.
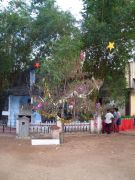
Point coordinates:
[[77, 127], [72, 127], [43, 128]]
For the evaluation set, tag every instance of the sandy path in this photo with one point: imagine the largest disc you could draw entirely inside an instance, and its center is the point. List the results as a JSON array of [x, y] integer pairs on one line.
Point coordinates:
[[79, 158]]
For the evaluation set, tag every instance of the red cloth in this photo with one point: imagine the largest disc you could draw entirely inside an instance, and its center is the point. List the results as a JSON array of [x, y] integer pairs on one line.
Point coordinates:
[[126, 124]]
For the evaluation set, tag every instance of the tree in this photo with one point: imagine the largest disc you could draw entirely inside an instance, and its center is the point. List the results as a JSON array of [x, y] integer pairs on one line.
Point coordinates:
[[57, 43], [31, 32], [15, 45], [49, 25], [37, 31], [108, 21]]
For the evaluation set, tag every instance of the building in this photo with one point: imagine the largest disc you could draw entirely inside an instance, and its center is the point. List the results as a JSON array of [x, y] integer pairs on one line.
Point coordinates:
[[130, 106], [19, 98]]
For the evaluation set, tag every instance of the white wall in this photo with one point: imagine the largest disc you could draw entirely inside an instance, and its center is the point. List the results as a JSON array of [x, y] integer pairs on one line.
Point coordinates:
[[132, 74]]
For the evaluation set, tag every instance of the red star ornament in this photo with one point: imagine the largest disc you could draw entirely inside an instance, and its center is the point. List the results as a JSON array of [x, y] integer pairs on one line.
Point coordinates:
[[37, 65]]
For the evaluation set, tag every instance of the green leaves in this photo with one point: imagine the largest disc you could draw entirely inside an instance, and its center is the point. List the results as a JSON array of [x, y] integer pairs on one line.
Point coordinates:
[[108, 21], [37, 31], [101, 26], [62, 63]]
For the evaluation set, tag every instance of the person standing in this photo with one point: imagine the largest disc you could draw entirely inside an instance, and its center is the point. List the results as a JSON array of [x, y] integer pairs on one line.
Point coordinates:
[[108, 121], [114, 120], [118, 119]]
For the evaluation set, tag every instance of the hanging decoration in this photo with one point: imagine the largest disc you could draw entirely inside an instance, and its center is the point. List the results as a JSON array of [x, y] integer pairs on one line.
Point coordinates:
[[47, 94], [110, 46], [82, 57]]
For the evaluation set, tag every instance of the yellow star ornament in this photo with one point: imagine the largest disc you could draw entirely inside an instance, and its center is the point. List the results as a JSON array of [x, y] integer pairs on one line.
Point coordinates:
[[110, 46]]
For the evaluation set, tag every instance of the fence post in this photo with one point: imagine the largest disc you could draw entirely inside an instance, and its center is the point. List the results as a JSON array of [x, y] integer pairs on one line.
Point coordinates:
[[99, 124], [92, 127]]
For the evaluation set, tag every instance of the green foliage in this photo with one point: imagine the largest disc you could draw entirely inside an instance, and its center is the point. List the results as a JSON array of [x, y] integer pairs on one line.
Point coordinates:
[[101, 26], [58, 43], [15, 46], [85, 116], [48, 26], [38, 31], [127, 117], [114, 88], [108, 21], [60, 65]]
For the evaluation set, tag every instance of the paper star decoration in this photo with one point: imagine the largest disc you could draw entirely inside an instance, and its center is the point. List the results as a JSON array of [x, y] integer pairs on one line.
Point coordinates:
[[110, 46], [37, 65]]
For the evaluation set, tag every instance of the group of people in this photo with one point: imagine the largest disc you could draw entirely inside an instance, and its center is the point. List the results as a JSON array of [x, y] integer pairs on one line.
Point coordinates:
[[112, 121]]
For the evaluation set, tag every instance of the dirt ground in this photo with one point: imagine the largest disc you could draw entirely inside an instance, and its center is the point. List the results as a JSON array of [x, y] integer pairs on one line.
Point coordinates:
[[81, 157]]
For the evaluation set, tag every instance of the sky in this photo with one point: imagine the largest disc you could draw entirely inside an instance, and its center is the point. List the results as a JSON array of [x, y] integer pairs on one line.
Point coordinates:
[[4, 3], [74, 6]]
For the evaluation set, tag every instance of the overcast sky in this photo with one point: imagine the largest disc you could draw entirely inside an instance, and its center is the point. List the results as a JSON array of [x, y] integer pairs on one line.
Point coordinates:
[[74, 6]]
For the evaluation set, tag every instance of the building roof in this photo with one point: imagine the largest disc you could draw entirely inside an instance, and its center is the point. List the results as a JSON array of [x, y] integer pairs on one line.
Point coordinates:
[[23, 90]]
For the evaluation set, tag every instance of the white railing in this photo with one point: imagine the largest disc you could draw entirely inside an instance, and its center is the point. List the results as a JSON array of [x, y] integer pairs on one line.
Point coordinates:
[[77, 127], [68, 127], [41, 128]]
